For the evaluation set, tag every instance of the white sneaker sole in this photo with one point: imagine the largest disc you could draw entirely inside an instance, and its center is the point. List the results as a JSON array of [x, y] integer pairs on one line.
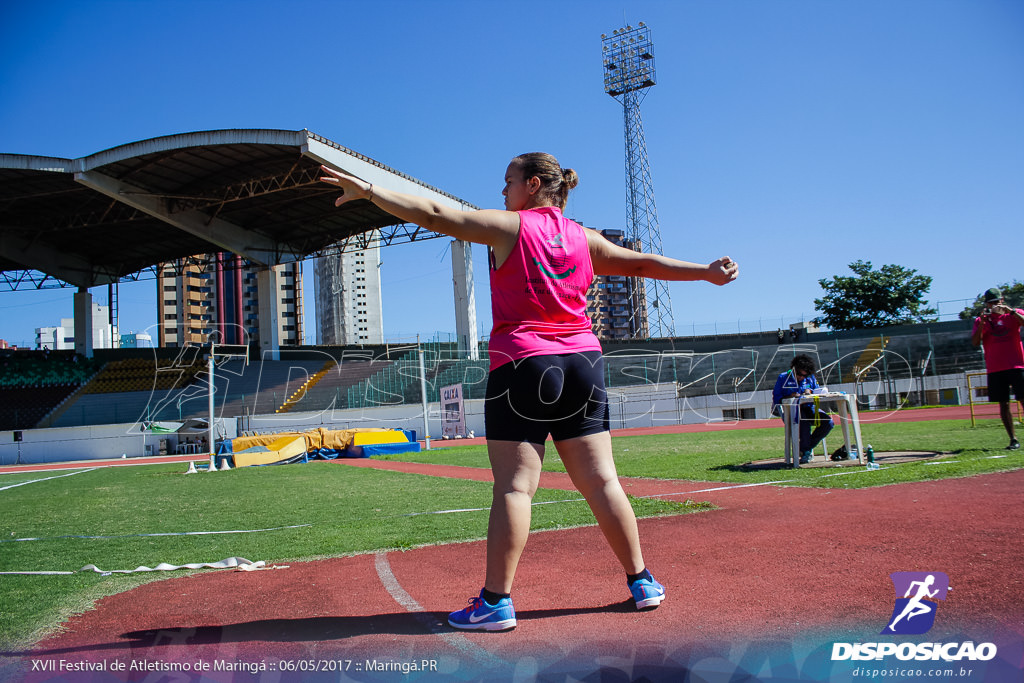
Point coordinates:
[[648, 603], [504, 625]]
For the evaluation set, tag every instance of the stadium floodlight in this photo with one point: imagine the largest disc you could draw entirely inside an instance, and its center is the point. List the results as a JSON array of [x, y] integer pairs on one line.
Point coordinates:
[[628, 56], [629, 64]]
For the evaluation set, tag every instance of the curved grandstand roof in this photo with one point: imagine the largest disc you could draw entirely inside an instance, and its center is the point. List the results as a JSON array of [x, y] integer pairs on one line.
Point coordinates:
[[253, 192]]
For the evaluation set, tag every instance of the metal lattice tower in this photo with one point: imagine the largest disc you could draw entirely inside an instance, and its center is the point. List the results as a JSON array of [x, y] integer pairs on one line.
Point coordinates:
[[628, 74]]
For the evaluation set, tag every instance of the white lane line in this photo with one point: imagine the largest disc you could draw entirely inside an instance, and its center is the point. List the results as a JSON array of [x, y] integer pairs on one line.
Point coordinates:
[[163, 533], [448, 512], [454, 639], [719, 488], [35, 481]]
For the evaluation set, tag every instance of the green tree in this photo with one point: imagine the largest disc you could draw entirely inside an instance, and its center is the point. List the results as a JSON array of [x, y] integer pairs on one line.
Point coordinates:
[[1013, 294], [893, 295]]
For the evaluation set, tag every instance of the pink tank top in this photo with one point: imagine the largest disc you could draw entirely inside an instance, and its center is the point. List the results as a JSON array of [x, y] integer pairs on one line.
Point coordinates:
[[539, 295]]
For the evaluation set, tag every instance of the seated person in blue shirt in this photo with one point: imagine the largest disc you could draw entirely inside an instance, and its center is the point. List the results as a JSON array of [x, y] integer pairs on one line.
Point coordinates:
[[798, 380]]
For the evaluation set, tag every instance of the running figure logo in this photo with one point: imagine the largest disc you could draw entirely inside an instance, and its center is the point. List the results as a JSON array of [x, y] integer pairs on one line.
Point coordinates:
[[917, 594]]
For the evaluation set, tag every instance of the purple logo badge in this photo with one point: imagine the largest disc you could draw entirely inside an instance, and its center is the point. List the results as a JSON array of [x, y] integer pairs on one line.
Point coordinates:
[[917, 596]]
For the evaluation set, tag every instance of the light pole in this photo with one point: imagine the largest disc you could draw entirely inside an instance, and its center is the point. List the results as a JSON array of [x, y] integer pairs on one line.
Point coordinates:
[[628, 74]]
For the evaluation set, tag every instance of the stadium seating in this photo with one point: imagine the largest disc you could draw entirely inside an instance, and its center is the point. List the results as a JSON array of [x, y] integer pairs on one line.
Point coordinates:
[[142, 374], [24, 407], [34, 383], [43, 369], [49, 387], [331, 390]]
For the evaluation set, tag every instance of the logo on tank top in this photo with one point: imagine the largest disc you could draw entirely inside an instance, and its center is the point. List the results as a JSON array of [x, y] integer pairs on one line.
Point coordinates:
[[556, 269]]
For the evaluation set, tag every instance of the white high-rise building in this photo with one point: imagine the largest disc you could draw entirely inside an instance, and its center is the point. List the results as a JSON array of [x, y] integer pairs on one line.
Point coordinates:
[[348, 300], [63, 337]]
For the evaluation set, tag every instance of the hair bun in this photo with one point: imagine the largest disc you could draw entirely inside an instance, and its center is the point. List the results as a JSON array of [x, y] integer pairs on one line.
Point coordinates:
[[570, 178]]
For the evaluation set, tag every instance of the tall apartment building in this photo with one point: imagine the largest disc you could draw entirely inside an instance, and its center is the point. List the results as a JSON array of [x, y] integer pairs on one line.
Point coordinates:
[[348, 299], [613, 299], [216, 297]]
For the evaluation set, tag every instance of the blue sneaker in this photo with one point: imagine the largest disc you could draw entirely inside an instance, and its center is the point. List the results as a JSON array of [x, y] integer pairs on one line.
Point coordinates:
[[648, 594], [483, 616]]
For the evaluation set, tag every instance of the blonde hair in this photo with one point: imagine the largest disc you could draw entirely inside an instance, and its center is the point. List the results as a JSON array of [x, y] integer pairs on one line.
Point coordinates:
[[555, 181]]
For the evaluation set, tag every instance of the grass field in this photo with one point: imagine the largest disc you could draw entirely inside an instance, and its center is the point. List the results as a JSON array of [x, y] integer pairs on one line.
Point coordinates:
[[721, 456], [322, 509], [332, 509]]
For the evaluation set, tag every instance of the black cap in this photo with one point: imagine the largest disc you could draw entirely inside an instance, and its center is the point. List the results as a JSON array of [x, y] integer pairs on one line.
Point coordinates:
[[992, 294]]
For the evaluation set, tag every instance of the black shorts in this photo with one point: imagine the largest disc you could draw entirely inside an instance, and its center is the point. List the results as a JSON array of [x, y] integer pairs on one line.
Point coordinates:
[[561, 395], [999, 384]]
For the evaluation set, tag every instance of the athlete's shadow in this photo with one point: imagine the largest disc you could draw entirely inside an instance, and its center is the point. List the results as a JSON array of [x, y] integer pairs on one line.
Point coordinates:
[[309, 629], [753, 467], [341, 627], [626, 605]]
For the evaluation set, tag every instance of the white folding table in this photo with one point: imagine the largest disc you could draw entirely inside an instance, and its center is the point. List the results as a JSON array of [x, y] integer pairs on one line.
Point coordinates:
[[846, 405]]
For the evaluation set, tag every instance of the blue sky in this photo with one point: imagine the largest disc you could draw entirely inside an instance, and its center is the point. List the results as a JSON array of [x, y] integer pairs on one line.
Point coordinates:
[[794, 135]]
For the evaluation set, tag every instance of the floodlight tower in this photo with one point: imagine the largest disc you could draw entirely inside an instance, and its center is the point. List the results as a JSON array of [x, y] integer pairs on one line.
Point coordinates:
[[628, 74]]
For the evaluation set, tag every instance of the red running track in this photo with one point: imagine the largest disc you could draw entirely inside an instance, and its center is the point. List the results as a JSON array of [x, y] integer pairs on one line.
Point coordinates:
[[758, 589]]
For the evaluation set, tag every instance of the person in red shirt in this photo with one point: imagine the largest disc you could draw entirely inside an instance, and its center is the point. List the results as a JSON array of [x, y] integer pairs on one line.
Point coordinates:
[[546, 368], [997, 330]]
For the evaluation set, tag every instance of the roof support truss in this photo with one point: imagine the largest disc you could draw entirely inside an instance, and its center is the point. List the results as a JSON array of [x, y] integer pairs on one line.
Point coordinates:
[[70, 268], [227, 236]]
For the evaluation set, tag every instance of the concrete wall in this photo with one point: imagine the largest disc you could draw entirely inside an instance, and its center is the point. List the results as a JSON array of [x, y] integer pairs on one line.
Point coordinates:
[[97, 442], [647, 405]]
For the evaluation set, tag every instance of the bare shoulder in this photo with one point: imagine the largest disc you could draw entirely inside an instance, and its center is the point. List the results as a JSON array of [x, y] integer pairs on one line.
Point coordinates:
[[604, 251], [493, 227], [598, 243], [506, 222], [502, 232]]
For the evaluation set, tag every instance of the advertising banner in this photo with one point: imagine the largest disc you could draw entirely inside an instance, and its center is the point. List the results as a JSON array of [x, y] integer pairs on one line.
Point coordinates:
[[453, 418]]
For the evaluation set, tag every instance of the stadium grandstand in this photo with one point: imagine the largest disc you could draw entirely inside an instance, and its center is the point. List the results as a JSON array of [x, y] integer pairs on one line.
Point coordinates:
[[726, 377], [107, 217], [253, 193]]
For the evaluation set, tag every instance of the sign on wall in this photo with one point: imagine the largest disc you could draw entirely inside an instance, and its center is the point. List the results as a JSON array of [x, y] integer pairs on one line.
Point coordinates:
[[453, 416]]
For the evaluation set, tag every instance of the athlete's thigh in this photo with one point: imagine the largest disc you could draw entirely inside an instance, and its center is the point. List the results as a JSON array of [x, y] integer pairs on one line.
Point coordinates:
[[588, 456]]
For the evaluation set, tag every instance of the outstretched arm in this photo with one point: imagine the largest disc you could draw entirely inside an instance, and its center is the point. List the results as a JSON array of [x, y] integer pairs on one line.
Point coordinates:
[[492, 227], [611, 259]]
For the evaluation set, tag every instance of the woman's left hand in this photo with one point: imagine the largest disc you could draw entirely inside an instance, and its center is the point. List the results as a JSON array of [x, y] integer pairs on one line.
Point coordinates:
[[722, 271], [351, 187]]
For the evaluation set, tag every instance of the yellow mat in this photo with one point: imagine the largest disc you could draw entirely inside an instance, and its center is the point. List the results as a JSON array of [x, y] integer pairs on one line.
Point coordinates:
[[283, 448], [263, 449]]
